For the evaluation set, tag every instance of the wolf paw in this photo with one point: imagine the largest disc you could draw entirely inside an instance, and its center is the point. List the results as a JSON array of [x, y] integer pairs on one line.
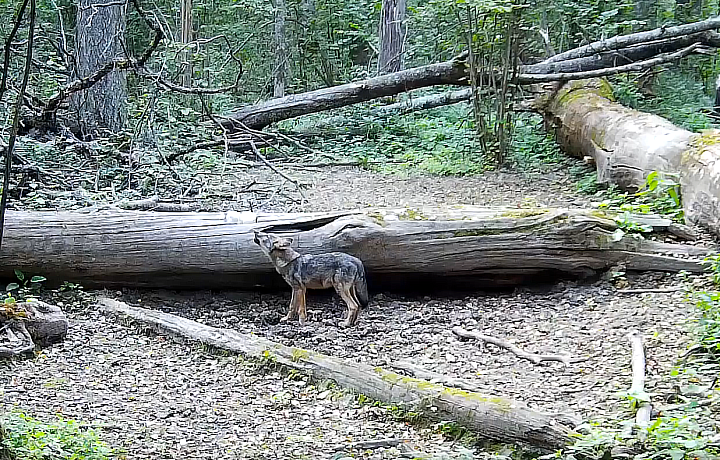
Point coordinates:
[[286, 318]]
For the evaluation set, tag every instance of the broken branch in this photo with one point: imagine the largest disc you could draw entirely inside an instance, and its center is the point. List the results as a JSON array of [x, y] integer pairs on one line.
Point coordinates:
[[517, 351]]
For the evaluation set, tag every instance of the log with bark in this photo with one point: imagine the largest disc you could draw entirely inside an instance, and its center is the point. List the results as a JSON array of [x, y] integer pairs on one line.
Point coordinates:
[[25, 325], [491, 417], [627, 145], [462, 247]]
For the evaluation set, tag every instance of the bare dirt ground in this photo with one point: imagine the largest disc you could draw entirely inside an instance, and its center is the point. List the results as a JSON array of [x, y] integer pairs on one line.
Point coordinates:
[[155, 398]]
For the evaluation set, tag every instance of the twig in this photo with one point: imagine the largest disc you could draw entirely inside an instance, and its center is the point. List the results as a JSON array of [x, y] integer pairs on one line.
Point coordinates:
[[277, 171], [643, 291], [527, 78], [532, 357], [642, 418], [16, 115], [167, 84], [374, 444]]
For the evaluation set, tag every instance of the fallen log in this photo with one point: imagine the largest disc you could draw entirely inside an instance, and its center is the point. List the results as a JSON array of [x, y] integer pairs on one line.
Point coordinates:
[[462, 247], [627, 145], [491, 417], [571, 65]]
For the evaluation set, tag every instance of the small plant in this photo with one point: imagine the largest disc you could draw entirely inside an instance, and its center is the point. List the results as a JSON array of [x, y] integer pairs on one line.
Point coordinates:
[[32, 284], [30, 439], [659, 195]]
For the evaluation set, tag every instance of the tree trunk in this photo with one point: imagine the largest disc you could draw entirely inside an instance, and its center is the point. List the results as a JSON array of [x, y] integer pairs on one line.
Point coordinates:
[[491, 417], [186, 37], [627, 145], [99, 38], [279, 73], [459, 248], [392, 36]]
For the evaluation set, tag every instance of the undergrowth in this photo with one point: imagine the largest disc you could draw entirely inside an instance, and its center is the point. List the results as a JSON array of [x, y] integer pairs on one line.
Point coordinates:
[[686, 427], [26, 438], [673, 94]]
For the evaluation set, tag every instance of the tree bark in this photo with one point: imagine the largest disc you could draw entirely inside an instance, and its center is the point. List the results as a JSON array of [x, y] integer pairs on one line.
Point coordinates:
[[491, 417], [402, 249], [186, 37], [279, 73], [99, 38], [627, 145], [392, 36]]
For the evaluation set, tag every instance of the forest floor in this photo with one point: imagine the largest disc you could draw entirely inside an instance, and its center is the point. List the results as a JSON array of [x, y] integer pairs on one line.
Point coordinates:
[[154, 398]]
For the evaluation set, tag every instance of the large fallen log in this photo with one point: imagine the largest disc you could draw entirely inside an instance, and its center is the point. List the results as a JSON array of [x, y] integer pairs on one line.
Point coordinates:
[[627, 145], [644, 47], [491, 417], [461, 247]]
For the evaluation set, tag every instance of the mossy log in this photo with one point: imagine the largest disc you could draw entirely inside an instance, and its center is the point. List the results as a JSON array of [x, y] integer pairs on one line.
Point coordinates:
[[491, 417], [627, 145], [457, 248]]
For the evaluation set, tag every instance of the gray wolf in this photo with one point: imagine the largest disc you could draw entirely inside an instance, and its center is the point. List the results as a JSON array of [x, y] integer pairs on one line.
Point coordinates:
[[341, 271]]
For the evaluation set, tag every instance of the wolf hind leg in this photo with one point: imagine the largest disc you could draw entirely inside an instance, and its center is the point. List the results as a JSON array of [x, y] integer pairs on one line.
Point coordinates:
[[345, 291]]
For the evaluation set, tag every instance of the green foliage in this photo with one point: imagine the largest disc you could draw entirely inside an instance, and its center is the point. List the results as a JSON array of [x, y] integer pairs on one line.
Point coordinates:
[[532, 146], [25, 284], [659, 195], [675, 94], [31, 439]]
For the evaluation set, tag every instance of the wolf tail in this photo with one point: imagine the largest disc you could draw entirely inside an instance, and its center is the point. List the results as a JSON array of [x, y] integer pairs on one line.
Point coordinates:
[[360, 286]]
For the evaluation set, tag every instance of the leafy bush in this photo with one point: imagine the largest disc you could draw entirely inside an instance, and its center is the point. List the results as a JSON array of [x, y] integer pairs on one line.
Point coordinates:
[[29, 439]]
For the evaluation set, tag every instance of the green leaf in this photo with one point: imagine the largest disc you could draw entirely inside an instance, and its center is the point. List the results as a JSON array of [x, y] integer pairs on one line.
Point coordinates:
[[20, 275], [38, 279], [12, 286]]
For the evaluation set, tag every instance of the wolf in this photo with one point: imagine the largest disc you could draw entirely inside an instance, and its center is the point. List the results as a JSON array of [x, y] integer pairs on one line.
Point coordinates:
[[341, 271]]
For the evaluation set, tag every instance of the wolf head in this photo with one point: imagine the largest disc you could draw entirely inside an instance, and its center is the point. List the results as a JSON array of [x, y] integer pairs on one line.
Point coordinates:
[[269, 242]]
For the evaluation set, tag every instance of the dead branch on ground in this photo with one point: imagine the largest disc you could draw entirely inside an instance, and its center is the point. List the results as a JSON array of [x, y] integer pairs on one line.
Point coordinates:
[[637, 389], [517, 351]]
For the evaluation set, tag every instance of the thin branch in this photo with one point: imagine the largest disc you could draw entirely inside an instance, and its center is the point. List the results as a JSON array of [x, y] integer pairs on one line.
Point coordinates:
[[16, 116], [8, 44], [167, 84], [277, 171], [624, 41], [517, 351], [525, 79], [642, 418]]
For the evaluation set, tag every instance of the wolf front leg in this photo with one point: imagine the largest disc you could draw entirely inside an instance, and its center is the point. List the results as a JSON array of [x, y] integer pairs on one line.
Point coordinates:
[[293, 308]]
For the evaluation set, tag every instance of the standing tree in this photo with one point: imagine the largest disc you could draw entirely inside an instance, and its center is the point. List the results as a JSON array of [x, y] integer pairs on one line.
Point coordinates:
[[186, 36], [281, 65], [99, 38], [392, 36]]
